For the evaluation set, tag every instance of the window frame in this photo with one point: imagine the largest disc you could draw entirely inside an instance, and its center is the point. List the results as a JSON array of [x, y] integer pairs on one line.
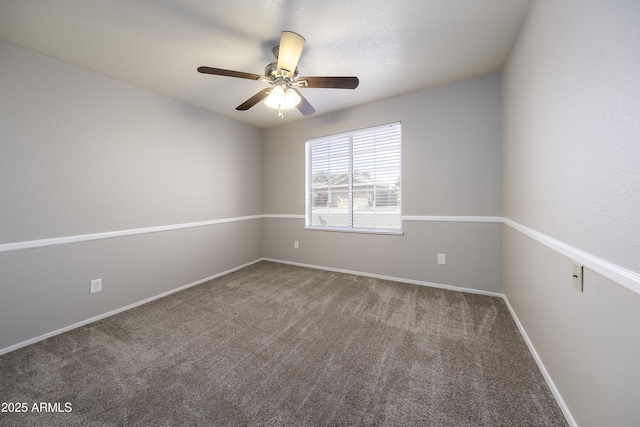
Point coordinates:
[[309, 193]]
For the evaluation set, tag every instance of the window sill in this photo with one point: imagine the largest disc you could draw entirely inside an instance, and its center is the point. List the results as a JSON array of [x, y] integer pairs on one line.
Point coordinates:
[[357, 230]]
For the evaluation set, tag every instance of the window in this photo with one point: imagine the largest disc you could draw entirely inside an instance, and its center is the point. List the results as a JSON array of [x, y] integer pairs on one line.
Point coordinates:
[[353, 181]]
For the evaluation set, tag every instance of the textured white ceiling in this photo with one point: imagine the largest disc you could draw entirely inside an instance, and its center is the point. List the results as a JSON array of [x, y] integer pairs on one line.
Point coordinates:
[[392, 46]]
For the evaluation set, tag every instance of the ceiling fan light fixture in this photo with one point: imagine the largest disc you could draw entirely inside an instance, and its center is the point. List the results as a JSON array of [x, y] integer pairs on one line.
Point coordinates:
[[276, 98], [291, 98], [282, 99]]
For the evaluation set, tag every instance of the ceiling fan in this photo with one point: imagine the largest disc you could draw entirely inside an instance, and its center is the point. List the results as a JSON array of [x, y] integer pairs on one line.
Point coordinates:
[[282, 76]]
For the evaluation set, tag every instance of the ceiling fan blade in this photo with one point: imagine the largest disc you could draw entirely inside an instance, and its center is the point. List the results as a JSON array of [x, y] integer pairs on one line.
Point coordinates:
[[328, 82], [229, 73], [254, 100], [291, 45], [305, 108]]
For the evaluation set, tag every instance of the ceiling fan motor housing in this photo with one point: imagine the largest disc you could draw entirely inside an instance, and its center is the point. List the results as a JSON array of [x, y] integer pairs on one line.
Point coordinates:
[[271, 71]]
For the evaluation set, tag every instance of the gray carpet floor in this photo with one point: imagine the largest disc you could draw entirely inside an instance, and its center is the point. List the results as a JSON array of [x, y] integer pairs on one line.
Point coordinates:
[[280, 345]]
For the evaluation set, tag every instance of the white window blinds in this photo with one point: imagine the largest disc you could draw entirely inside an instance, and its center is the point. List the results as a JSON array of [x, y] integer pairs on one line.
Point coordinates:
[[353, 180]]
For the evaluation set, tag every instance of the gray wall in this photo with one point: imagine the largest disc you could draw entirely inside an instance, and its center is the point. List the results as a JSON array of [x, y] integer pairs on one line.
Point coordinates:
[[451, 160], [82, 154], [571, 115]]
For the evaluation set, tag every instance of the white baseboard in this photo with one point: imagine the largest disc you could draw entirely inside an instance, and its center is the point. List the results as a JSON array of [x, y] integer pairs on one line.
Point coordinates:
[[543, 369], [395, 279], [206, 279], [119, 310], [532, 349]]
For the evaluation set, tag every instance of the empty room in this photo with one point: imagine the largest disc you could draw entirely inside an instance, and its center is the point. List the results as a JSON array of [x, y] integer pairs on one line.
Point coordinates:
[[279, 213]]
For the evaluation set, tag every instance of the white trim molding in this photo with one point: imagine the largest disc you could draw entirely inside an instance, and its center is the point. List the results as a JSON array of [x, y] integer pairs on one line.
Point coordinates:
[[628, 279], [32, 244], [418, 218], [449, 218], [283, 216]]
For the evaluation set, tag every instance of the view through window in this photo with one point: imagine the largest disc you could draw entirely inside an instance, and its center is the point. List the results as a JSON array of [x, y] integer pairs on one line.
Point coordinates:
[[353, 180]]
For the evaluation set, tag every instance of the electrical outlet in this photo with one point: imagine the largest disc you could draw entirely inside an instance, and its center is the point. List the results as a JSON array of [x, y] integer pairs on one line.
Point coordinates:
[[577, 276], [96, 286], [442, 259], [296, 245]]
